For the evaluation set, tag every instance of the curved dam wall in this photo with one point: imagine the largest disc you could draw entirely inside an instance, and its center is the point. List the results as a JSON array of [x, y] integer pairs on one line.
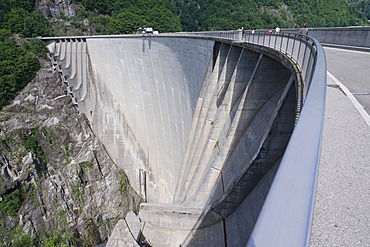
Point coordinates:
[[242, 124], [199, 125], [140, 96], [151, 86]]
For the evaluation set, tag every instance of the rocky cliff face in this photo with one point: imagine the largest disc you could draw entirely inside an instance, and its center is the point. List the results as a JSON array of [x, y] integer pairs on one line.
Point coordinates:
[[56, 8], [57, 183], [62, 14]]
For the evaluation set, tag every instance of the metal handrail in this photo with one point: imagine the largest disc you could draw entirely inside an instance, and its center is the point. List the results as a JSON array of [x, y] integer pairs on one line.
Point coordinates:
[[286, 216], [301, 49]]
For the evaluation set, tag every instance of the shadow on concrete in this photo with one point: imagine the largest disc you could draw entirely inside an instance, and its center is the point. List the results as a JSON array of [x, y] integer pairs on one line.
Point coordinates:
[[231, 218]]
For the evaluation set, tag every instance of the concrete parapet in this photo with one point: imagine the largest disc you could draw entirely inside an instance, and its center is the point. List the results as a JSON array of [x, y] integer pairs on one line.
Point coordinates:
[[346, 36]]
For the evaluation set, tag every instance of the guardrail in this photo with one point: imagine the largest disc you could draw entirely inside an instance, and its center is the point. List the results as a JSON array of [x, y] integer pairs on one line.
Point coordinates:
[[299, 48], [286, 216]]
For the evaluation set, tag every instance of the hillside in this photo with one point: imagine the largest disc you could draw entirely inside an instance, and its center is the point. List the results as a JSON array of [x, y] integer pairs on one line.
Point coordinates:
[[31, 18], [123, 16], [56, 177], [252, 14]]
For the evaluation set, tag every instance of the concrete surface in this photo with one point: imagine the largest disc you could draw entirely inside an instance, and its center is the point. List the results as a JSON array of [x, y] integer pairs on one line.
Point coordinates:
[[350, 36], [153, 87], [341, 215], [353, 69], [342, 200], [199, 127], [121, 236]]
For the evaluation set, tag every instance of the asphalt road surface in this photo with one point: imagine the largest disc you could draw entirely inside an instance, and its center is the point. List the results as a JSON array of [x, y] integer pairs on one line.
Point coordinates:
[[352, 68], [342, 203]]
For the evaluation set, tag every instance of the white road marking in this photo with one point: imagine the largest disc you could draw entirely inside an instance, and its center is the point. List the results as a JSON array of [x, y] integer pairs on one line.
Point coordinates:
[[354, 101], [347, 50]]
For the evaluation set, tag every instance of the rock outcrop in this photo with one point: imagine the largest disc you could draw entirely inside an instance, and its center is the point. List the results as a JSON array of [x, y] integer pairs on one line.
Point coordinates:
[[56, 8], [57, 182], [62, 14]]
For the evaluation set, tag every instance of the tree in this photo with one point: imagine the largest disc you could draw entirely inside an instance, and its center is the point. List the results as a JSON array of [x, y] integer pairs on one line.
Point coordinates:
[[126, 22], [36, 25], [17, 68], [16, 20]]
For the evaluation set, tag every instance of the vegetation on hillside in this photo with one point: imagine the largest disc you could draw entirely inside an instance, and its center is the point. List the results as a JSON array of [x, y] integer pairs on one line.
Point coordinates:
[[361, 9], [21, 17], [125, 16], [18, 61], [252, 14], [18, 65]]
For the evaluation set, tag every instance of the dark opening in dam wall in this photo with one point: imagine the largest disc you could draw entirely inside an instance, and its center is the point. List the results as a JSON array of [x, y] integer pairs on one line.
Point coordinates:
[[199, 126]]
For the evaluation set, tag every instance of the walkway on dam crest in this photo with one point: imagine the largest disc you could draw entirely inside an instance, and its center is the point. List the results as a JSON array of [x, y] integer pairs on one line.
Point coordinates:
[[341, 213]]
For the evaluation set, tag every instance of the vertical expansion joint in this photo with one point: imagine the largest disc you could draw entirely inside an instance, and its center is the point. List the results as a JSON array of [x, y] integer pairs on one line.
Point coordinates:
[[222, 182], [225, 232]]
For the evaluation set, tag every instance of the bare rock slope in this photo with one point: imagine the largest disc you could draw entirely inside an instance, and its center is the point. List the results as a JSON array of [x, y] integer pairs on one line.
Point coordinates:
[[57, 182]]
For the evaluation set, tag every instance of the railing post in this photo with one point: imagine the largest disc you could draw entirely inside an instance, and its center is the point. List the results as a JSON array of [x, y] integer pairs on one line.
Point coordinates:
[[299, 50], [294, 40], [287, 44], [276, 37], [270, 35], [281, 41]]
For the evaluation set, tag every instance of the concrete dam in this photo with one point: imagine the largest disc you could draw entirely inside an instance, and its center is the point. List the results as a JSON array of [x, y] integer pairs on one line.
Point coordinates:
[[200, 125]]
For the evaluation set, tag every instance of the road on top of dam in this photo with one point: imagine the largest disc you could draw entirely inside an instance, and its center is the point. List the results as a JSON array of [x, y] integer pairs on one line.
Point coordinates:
[[352, 68], [342, 205]]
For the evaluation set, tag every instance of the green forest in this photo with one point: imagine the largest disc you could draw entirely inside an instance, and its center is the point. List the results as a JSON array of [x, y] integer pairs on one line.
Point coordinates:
[[125, 16], [18, 58], [251, 14], [20, 19]]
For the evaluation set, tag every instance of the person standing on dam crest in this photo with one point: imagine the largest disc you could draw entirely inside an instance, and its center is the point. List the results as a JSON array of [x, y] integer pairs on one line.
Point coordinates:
[[303, 30]]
